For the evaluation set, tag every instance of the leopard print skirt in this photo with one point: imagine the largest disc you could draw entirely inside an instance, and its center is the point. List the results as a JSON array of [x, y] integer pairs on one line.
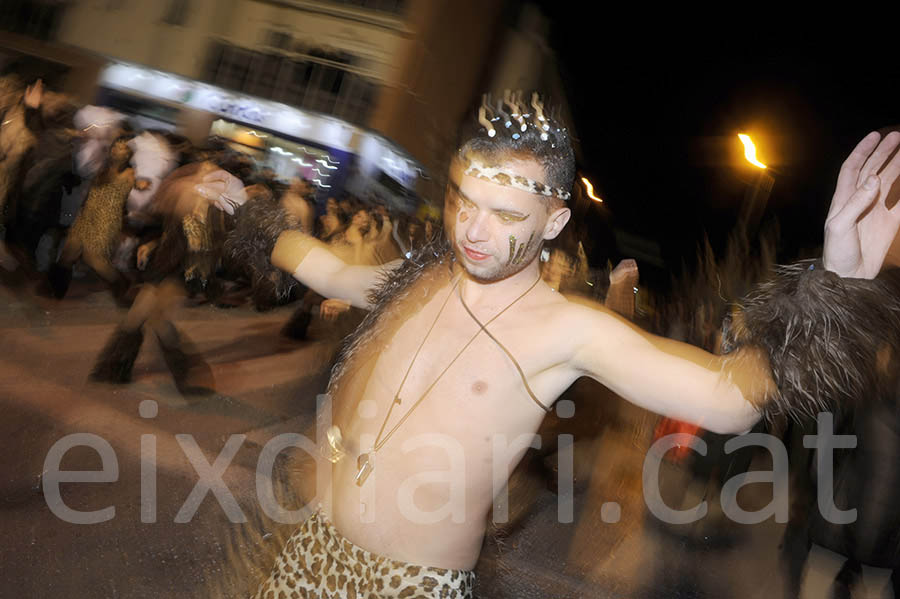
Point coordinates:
[[319, 563]]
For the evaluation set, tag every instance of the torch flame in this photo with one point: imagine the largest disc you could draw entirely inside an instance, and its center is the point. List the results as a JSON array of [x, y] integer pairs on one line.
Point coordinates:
[[750, 151], [590, 190]]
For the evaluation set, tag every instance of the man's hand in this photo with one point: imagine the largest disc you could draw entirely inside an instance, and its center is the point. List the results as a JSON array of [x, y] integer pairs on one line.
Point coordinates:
[[622, 281], [330, 309], [143, 254], [222, 189], [34, 94], [860, 226], [625, 271]]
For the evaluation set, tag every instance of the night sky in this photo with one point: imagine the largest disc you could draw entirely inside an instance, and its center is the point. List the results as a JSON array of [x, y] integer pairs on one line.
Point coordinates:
[[657, 115]]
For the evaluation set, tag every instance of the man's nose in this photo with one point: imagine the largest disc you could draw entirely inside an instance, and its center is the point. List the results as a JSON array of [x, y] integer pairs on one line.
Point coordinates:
[[478, 227]]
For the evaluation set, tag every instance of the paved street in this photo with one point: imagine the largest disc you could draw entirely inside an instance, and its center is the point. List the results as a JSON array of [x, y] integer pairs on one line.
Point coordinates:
[[265, 385]]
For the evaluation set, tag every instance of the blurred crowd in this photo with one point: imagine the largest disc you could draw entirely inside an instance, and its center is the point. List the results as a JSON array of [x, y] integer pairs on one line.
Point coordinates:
[[80, 189], [159, 218]]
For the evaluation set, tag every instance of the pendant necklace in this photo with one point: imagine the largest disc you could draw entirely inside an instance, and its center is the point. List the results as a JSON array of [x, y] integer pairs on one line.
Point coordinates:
[[365, 464]]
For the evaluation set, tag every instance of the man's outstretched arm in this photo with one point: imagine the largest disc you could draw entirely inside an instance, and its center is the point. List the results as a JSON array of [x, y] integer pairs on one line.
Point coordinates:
[[804, 342], [719, 393], [312, 263]]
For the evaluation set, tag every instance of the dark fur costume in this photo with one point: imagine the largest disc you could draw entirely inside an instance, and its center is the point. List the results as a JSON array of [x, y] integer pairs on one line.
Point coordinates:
[[393, 290], [117, 357], [47, 170], [865, 479], [193, 246], [258, 223], [821, 333]]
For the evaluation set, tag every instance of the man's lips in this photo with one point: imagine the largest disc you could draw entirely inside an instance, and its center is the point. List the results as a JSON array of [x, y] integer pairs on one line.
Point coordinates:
[[473, 255]]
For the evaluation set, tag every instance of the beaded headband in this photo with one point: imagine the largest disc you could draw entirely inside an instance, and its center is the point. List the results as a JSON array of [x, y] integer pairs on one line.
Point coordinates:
[[495, 174]]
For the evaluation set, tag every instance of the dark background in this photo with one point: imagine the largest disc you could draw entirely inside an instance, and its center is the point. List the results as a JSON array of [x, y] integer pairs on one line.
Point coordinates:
[[657, 112]]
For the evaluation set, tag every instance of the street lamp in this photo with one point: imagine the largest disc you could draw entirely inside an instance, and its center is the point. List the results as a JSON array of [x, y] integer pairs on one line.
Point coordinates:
[[757, 195], [750, 150]]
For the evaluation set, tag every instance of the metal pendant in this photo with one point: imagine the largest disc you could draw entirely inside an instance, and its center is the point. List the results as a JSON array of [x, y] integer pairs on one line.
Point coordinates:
[[334, 452], [365, 463]]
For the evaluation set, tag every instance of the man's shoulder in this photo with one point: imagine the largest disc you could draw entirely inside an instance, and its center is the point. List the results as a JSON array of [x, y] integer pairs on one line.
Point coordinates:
[[576, 315]]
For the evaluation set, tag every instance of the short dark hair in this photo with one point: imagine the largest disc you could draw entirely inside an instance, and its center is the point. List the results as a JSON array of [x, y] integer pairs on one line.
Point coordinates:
[[554, 154]]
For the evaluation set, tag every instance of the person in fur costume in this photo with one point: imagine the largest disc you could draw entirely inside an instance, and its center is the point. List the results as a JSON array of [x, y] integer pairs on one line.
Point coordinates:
[[48, 172], [464, 344], [193, 199], [19, 122], [865, 478], [193, 225], [96, 232]]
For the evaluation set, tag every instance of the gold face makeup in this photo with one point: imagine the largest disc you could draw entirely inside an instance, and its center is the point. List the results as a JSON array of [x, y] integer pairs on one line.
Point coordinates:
[[464, 204], [518, 253]]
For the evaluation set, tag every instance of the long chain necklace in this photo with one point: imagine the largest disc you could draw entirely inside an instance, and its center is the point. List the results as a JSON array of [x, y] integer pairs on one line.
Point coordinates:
[[366, 462], [506, 351]]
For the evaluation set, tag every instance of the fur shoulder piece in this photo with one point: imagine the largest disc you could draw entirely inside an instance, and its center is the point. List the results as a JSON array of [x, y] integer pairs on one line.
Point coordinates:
[[393, 284], [394, 287], [822, 334]]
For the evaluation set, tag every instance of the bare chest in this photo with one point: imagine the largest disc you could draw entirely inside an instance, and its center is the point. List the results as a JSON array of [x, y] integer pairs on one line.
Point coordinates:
[[446, 376]]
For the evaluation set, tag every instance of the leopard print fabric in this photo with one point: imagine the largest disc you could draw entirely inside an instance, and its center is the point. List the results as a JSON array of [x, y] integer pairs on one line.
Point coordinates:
[[99, 223], [319, 563]]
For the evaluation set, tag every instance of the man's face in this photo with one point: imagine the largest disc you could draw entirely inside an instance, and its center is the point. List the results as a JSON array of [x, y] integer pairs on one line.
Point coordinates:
[[496, 230]]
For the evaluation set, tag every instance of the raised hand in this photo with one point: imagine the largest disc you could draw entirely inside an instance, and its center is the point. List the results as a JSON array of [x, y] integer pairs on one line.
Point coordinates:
[[861, 222], [626, 271], [330, 309], [143, 255], [34, 94], [222, 189]]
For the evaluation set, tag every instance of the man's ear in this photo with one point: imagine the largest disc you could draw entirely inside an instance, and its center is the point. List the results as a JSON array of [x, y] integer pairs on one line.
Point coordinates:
[[556, 222]]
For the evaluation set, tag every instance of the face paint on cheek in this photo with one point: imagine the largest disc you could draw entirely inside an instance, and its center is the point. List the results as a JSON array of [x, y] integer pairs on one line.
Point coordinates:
[[512, 249], [463, 216], [521, 251]]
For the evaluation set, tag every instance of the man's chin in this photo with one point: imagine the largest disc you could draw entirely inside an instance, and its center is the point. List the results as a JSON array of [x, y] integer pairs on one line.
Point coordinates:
[[485, 274]]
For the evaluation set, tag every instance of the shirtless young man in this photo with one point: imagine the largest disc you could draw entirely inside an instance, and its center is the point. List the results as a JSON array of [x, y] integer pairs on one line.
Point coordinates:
[[427, 400]]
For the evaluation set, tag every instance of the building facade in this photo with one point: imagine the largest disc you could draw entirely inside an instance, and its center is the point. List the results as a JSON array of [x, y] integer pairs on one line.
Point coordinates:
[[380, 86]]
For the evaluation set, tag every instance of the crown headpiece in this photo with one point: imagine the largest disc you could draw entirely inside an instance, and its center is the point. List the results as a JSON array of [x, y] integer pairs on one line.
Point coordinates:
[[512, 117]]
